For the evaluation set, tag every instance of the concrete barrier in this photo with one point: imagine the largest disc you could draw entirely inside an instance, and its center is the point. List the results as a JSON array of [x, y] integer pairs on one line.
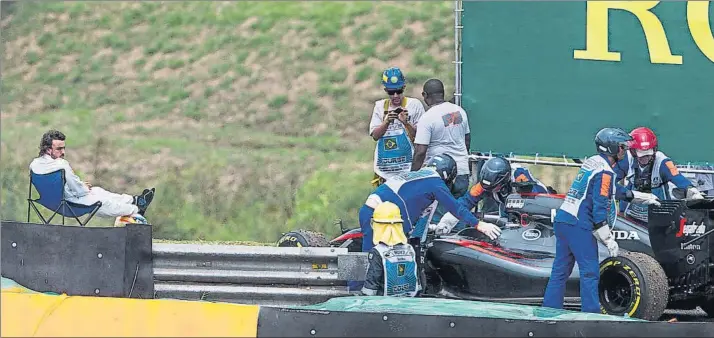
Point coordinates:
[[283, 322], [86, 261]]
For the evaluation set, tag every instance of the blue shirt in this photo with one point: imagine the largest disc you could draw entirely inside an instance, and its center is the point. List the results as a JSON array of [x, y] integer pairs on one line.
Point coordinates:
[[663, 172], [591, 198], [415, 191]]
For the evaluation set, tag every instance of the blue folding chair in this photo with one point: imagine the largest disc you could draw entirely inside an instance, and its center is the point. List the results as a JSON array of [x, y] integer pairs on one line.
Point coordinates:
[[50, 186]]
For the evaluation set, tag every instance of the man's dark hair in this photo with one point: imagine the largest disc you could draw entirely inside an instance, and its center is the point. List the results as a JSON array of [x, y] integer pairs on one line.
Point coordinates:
[[47, 138], [434, 87]]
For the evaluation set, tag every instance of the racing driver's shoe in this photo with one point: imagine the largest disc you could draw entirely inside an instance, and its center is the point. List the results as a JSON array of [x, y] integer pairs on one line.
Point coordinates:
[[142, 201]]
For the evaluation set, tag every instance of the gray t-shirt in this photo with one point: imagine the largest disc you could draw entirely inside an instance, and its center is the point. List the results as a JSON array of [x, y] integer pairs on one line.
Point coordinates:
[[443, 128]]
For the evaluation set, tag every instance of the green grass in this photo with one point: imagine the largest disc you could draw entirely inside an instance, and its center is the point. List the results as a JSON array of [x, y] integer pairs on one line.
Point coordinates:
[[248, 117]]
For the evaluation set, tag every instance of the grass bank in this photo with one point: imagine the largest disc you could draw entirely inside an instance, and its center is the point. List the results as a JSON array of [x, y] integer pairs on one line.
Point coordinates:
[[249, 118]]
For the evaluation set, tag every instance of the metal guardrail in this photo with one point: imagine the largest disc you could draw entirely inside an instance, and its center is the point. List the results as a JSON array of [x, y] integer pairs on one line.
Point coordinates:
[[565, 162], [277, 276]]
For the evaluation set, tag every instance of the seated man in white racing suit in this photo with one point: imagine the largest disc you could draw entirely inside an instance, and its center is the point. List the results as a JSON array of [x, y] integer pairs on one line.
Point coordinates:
[[392, 269], [496, 181], [51, 159], [645, 169]]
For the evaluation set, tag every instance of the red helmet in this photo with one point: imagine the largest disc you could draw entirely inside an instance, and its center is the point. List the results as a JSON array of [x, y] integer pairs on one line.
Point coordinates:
[[644, 143]]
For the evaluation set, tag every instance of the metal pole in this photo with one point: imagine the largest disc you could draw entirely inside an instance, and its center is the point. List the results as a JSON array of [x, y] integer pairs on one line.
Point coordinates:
[[513, 159], [458, 9]]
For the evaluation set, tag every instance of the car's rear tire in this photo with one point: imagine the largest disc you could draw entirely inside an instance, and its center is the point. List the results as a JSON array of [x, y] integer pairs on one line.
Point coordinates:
[[303, 238], [634, 284]]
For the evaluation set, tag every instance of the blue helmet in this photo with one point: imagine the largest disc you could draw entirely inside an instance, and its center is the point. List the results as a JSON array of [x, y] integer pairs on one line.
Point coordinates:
[[609, 141], [445, 166], [393, 78], [495, 174]]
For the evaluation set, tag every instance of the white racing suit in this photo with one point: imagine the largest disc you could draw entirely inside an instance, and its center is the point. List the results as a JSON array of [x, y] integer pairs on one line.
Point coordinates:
[[75, 191], [392, 271]]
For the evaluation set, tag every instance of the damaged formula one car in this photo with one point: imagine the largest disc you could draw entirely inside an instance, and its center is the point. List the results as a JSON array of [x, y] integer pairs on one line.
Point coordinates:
[[669, 266]]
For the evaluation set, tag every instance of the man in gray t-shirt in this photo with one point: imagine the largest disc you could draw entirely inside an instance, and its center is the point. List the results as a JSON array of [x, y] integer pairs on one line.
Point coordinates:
[[443, 129]]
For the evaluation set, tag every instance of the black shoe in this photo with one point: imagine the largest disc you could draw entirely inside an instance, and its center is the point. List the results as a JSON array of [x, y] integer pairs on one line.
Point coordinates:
[[142, 201]]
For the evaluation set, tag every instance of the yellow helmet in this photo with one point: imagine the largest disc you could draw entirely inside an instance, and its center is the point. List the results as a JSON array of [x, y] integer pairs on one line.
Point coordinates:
[[387, 225], [387, 212]]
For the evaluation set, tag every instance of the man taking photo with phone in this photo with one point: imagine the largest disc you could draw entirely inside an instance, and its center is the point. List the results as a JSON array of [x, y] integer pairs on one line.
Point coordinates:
[[393, 126]]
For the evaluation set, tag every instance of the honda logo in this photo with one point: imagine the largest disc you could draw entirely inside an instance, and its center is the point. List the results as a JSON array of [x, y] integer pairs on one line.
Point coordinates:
[[628, 235]]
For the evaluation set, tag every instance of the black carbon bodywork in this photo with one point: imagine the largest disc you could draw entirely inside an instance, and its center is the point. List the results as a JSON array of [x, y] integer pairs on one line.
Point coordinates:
[[516, 266], [680, 232]]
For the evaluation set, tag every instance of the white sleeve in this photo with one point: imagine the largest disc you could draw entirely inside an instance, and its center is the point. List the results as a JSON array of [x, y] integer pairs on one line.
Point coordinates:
[[377, 118], [423, 134], [465, 117], [415, 116], [74, 183]]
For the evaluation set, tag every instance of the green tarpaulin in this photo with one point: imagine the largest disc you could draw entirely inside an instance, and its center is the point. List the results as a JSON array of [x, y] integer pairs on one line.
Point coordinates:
[[450, 307], [9, 285]]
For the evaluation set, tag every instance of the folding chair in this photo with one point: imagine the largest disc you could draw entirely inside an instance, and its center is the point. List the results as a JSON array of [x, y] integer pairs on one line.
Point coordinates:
[[50, 186]]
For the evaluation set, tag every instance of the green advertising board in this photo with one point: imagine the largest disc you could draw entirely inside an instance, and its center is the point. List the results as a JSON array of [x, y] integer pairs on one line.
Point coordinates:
[[544, 77]]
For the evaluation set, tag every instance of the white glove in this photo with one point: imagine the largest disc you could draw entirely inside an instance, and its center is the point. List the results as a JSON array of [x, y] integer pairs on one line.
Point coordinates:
[[645, 198], [445, 225], [438, 229], [442, 229], [373, 201], [491, 230], [603, 235], [694, 194]]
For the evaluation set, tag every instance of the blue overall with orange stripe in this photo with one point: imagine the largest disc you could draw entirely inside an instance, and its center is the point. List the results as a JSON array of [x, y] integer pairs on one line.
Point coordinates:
[[589, 201], [654, 178], [477, 193]]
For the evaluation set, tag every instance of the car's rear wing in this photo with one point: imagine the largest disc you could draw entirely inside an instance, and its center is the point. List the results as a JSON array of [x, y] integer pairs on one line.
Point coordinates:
[[679, 232]]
